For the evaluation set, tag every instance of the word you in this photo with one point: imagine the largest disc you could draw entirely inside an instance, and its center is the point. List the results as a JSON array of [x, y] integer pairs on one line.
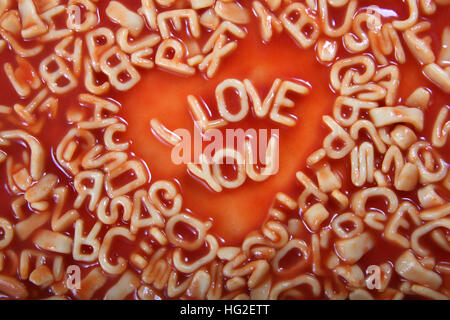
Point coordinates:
[[251, 153]]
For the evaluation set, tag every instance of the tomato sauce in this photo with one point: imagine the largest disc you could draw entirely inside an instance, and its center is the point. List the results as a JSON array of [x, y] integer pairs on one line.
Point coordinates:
[[234, 213]]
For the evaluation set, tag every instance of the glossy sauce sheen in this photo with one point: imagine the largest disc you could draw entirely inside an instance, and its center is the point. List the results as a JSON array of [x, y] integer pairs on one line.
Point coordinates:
[[237, 212]]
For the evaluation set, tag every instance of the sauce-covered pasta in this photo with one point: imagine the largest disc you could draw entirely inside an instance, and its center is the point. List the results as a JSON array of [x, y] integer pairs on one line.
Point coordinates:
[[224, 149]]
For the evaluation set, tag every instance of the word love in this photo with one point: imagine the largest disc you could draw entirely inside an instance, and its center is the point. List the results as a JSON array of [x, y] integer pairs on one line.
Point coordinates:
[[272, 105]]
